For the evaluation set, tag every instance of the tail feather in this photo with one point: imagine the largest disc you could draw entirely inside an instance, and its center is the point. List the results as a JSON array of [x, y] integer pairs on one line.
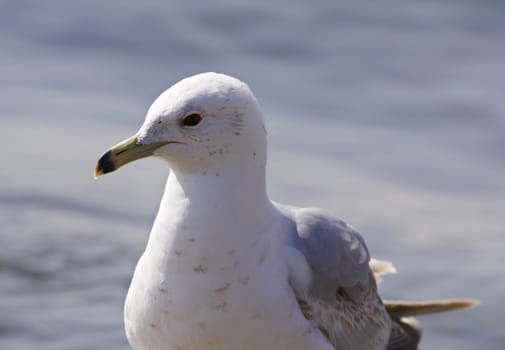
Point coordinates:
[[380, 268], [406, 332], [399, 309]]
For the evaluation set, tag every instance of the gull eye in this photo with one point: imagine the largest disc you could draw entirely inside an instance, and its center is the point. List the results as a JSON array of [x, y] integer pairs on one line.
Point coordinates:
[[192, 119]]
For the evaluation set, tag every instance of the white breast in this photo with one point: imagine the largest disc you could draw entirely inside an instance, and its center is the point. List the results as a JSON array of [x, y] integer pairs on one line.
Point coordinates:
[[180, 299]]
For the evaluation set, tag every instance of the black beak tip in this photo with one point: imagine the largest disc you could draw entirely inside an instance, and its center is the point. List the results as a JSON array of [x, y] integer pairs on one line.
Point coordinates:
[[105, 164]]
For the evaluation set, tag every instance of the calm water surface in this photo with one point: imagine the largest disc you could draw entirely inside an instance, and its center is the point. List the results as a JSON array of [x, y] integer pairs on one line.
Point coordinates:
[[389, 114]]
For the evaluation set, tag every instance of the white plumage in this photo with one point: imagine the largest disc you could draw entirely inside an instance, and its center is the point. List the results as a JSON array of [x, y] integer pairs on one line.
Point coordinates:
[[225, 268]]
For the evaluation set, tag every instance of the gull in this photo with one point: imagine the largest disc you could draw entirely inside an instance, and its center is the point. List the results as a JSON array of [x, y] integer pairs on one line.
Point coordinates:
[[227, 268]]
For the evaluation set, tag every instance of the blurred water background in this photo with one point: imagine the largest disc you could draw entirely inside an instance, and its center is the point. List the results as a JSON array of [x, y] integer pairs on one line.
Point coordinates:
[[390, 114]]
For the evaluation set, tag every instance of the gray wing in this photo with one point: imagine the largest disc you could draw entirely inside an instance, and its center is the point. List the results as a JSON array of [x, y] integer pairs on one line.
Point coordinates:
[[340, 296], [336, 254]]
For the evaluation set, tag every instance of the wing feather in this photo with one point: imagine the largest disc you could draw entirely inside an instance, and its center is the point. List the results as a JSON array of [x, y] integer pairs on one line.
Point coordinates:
[[341, 294]]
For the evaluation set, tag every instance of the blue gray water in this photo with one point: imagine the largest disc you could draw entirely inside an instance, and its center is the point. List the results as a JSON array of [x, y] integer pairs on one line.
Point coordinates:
[[390, 114]]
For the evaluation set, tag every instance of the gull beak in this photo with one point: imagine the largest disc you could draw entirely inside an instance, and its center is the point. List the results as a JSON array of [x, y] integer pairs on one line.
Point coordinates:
[[123, 153]]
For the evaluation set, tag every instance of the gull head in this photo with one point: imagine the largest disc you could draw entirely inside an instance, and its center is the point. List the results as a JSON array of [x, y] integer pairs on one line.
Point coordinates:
[[205, 121]]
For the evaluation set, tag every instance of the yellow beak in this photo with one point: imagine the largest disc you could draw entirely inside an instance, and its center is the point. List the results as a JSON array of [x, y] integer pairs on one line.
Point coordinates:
[[123, 153]]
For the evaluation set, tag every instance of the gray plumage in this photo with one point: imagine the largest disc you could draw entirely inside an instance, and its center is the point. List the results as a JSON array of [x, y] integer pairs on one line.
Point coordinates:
[[341, 297]]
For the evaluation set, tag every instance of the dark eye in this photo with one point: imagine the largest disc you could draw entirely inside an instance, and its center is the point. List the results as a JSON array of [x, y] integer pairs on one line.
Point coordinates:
[[192, 119]]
